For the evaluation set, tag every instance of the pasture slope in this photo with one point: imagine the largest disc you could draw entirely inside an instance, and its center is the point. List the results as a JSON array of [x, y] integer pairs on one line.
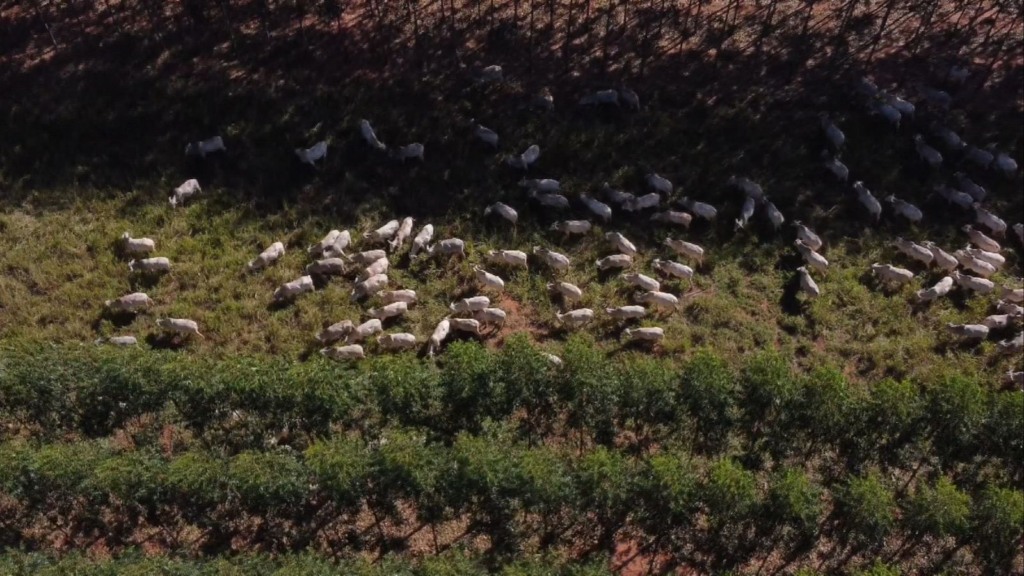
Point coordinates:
[[767, 432]]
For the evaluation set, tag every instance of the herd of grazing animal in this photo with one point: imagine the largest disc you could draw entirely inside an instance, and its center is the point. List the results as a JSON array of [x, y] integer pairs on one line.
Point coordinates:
[[979, 260]]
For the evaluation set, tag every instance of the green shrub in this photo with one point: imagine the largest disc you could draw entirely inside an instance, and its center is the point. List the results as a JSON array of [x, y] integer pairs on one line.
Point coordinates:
[[406, 391], [268, 481], [795, 502], [527, 380], [589, 389], [957, 409], [867, 508], [135, 477], [198, 480], [342, 468], [826, 408], [939, 510], [708, 389], [469, 393], [647, 402], [998, 526], [730, 493], [668, 487]]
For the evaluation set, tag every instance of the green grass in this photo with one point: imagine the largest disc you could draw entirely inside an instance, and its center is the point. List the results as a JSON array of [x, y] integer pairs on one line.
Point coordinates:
[[60, 266], [57, 232]]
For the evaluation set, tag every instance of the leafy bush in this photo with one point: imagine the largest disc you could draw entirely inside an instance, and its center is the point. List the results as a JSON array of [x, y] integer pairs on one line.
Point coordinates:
[[730, 493], [342, 467], [589, 389], [868, 509], [668, 486], [998, 526], [469, 388], [956, 414], [268, 481], [794, 502], [708, 389]]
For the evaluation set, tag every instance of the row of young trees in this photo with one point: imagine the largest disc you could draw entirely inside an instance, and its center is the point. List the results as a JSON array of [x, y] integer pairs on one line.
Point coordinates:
[[698, 456], [763, 409], [569, 30], [520, 497], [448, 564]]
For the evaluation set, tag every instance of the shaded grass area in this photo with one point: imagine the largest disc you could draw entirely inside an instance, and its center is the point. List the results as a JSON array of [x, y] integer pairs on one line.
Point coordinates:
[[94, 143]]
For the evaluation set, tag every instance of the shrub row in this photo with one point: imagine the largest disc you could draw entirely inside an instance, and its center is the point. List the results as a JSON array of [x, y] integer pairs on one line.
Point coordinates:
[[449, 564], [763, 406], [508, 491]]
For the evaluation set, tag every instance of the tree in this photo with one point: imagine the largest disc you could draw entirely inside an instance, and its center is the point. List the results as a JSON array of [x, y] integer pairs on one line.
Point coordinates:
[[667, 487], [771, 396], [341, 468], [956, 413], [488, 483], [590, 389], [1004, 433], [794, 503], [825, 407], [940, 510], [406, 392], [268, 483], [405, 466], [730, 493], [646, 406], [890, 417], [468, 387], [527, 380], [708, 390], [867, 509], [546, 491], [998, 526], [605, 487]]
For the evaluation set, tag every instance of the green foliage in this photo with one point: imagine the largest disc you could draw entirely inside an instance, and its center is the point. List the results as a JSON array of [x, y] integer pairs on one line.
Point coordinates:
[[604, 480], [527, 379], [342, 468], [199, 479], [453, 563], [546, 481], [14, 461], [878, 569], [868, 509], [730, 493], [795, 502], [890, 416], [940, 510], [135, 477], [826, 406], [647, 402], [268, 480], [406, 391], [708, 390], [589, 388], [668, 485], [1004, 432], [405, 465], [998, 526], [65, 469], [956, 415], [469, 387], [771, 398]]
